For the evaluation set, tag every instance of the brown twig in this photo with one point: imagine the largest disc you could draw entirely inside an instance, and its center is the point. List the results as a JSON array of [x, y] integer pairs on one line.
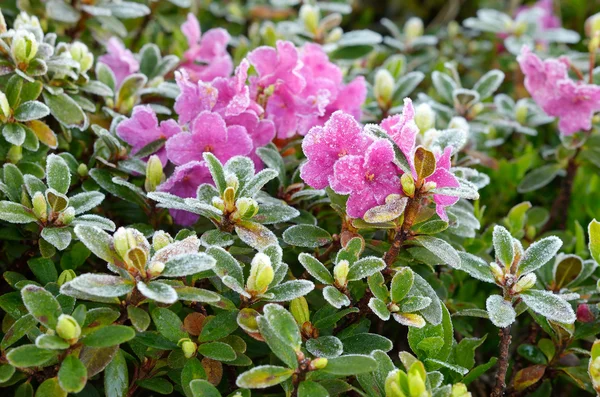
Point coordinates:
[[505, 339], [403, 233]]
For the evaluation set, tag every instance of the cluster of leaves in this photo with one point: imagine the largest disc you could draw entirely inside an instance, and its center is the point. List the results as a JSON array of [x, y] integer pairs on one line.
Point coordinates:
[[275, 289]]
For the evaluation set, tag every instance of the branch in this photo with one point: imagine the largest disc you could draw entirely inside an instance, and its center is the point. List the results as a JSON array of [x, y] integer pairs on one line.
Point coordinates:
[[403, 233], [505, 339]]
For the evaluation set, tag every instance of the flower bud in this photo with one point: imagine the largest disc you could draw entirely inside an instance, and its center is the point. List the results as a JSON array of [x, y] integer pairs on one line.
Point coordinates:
[[594, 371], [80, 53], [525, 283], [188, 347], [428, 186], [394, 308], [408, 184], [594, 43], [393, 382], [416, 379], [318, 363], [459, 123], [40, 206], [125, 239], [299, 309], [66, 276], [424, 117], [476, 109], [585, 313], [68, 328], [335, 35], [246, 207], [521, 111], [497, 271], [82, 170], [310, 16], [155, 269], [340, 272], [460, 390], [4, 106], [384, 87], [15, 154], [24, 21], [24, 46], [229, 199], [161, 239], [413, 28], [218, 202], [67, 216], [592, 25], [154, 173], [261, 274]]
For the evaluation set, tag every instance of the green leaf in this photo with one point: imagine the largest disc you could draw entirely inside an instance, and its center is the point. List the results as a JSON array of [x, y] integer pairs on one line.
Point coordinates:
[[258, 182], [335, 298], [325, 346], [50, 388], [501, 311], [503, 246], [263, 376], [549, 305], [31, 110], [306, 236], [402, 283], [51, 342], [158, 385], [366, 343], [16, 213], [365, 267], [14, 133], [41, 304], [116, 376], [311, 389], [351, 364], [72, 375], [217, 351], [109, 336], [18, 330], [315, 268], [441, 249], [188, 264], [255, 235], [59, 237], [489, 83], [104, 285], [192, 370], [432, 341], [289, 290], [594, 245], [203, 388], [539, 177], [6, 372], [158, 291], [216, 170], [476, 267], [539, 253], [26, 356], [219, 326], [272, 158], [65, 110], [86, 201], [43, 269], [283, 324], [168, 324], [532, 353], [444, 86], [139, 318]]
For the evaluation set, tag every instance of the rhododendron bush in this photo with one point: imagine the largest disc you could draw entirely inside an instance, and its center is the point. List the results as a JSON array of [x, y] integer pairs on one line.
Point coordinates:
[[299, 198]]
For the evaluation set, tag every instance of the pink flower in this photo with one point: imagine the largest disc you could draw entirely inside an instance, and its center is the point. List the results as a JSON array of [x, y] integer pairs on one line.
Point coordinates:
[[323, 146], [260, 131], [194, 97], [120, 60], [574, 103], [143, 128], [207, 56], [402, 129], [184, 183], [279, 66], [443, 178], [368, 179], [234, 93], [208, 133], [547, 18], [350, 99]]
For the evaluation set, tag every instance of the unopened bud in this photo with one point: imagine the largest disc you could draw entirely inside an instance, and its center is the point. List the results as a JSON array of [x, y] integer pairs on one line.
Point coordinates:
[[393, 382], [156, 268], [424, 117], [497, 271], [66, 276], [15, 154], [68, 328], [408, 184], [394, 308], [188, 347], [232, 181], [67, 216], [521, 112], [82, 170], [4, 106], [318, 363], [81, 53], [476, 109], [261, 274], [459, 123], [460, 390], [24, 21], [154, 173], [246, 207], [218, 202], [310, 16], [40, 206], [453, 28], [125, 239], [429, 186], [525, 283], [416, 379], [585, 314], [24, 46], [335, 35], [592, 25], [594, 43], [2, 23], [384, 87], [299, 309], [413, 28], [340, 272], [229, 199], [161, 239], [594, 371]]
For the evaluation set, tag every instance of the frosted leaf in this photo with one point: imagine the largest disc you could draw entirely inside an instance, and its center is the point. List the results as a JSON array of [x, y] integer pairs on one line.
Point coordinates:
[[306, 236], [414, 303], [366, 343], [270, 213], [257, 182], [16, 213], [226, 265], [85, 201], [325, 346], [95, 220], [441, 249], [402, 283], [291, 290], [67, 290], [104, 285], [281, 272], [188, 245], [456, 368], [379, 308], [193, 294], [392, 209], [539, 253], [476, 267], [549, 305], [205, 210], [466, 190], [60, 237], [217, 238], [365, 267], [255, 235], [315, 268], [410, 319], [501, 312], [433, 312], [453, 137], [187, 264], [58, 175], [503, 245], [263, 376], [275, 254], [158, 292], [234, 285], [335, 297], [284, 324], [242, 167]]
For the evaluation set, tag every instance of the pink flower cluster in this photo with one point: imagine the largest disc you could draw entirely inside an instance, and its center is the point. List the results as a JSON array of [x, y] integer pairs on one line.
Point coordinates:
[[548, 82], [292, 91], [547, 19], [345, 157], [119, 59]]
